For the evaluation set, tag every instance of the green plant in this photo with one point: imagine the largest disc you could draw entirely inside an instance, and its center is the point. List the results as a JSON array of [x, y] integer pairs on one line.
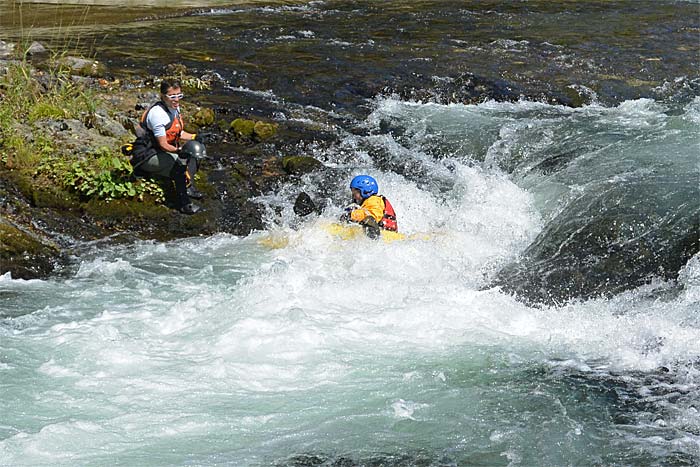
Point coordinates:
[[195, 83], [104, 175], [23, 101], [42, 110]]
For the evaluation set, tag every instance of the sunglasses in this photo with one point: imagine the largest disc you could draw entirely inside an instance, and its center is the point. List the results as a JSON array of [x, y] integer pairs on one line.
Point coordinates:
[[175, 96]]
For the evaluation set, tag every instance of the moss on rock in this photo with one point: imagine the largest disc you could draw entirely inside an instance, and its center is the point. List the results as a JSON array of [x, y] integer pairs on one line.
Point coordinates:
[[23, 255], [202, 117], [300, 165], [264, 130], [252, 130], [242, 128]]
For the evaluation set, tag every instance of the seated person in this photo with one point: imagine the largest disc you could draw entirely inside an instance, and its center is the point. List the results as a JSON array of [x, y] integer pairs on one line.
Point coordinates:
[[158, 151], [373, 211]]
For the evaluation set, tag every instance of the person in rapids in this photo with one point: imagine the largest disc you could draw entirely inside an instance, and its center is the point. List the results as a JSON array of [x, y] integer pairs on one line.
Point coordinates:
[[370, 209], [163, 148]]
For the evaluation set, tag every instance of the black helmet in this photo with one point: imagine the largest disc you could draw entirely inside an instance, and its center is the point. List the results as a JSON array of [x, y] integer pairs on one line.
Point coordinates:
[[194, 149]]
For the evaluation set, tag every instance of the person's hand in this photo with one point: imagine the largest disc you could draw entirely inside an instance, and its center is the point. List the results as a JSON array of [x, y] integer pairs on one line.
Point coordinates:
[[351, 207], [202, 137]]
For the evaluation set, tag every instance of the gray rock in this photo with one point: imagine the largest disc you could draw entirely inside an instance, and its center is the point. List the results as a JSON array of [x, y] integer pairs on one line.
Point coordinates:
[[36, 48], [83, 66], [7, 50], [108, 126]]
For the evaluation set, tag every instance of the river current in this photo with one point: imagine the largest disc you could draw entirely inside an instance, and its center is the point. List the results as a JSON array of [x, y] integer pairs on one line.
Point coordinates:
[[290, 346]]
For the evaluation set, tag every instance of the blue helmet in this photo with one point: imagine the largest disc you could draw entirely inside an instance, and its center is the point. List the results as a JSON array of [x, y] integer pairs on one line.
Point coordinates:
[[366, 184]]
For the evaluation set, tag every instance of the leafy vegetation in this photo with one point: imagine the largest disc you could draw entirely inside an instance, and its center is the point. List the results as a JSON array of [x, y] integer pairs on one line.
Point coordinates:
[[179, 71], [104, 173]]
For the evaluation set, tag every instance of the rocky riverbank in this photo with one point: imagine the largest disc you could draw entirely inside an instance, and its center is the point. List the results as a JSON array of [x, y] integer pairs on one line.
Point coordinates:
[[42, 219]]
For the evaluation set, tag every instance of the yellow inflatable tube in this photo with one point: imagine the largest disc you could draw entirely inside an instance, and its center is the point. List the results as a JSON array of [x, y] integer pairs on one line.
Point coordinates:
[[341, 231], [354, 231]]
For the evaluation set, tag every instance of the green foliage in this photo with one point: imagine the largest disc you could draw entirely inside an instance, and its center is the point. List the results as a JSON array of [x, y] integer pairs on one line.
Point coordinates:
[[42, 110], [44, 146], [179, 71], [23, 99], [193, 82], [106, 175], [17, 152]]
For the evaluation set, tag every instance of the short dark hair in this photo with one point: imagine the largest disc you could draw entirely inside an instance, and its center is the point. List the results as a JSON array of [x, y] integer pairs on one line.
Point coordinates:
[[167, 84]]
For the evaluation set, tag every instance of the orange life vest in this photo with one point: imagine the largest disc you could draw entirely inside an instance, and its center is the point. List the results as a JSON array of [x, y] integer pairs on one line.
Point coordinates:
[[172, 129], [388, 221]]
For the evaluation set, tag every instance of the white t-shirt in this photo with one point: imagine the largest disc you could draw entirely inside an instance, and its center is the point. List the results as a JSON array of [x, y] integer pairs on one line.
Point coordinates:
[[157, 119]]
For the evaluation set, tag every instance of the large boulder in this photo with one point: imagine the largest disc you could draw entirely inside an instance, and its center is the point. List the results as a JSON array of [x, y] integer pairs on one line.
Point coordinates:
[[610, 241]]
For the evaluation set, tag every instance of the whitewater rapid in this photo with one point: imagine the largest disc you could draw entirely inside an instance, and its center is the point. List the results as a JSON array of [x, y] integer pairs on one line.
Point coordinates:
[[289, 342]]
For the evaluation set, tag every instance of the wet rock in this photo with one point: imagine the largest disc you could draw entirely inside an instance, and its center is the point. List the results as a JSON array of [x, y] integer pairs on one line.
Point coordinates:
[[25, 255], [579, 96], [300, 165], [237, 214], [467, 88], [304, 205], [202, 117], [414, 459], [610, 241]]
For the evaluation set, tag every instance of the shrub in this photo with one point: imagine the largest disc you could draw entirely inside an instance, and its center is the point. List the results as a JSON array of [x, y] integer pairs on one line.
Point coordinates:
[[105, 174]]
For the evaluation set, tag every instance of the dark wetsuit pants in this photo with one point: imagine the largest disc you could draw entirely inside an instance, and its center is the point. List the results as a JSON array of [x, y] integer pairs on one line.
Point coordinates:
[[168, 164]]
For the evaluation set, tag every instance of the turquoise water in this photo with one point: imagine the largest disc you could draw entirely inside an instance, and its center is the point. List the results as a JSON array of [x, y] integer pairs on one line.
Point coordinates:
[[291, 347]]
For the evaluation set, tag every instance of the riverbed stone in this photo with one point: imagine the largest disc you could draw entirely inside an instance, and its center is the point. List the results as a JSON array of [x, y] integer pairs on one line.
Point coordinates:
[[242, 128], [202, 117], [82, 66], [300, 165], [36, 48], [7, 50], [25, 255]]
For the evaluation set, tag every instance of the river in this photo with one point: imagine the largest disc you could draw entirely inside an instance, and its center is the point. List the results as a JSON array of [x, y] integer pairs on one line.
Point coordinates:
[[291, 347]]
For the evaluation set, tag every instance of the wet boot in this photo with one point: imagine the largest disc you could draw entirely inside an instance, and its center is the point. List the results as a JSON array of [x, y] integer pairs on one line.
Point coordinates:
[[185, 206], [192, 191], [190, 208]]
